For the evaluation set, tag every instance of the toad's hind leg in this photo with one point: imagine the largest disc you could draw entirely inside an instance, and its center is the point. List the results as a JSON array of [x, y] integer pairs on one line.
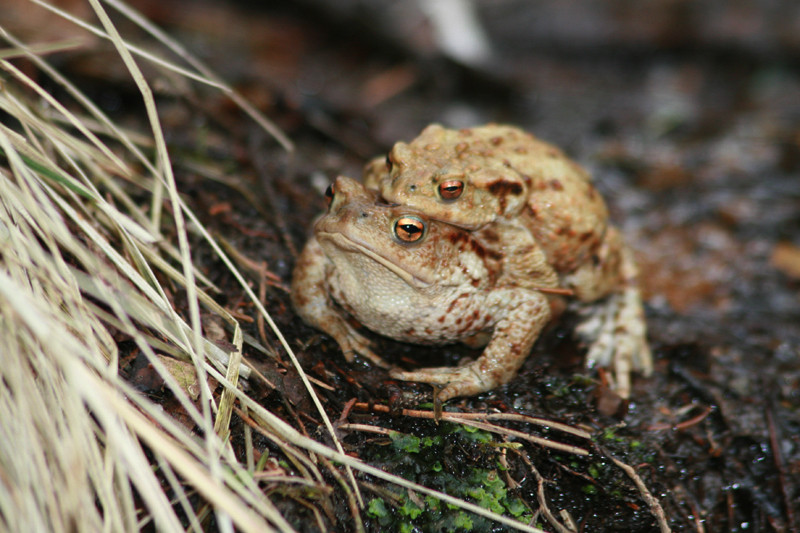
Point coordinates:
[[615, 329], [511, 341]]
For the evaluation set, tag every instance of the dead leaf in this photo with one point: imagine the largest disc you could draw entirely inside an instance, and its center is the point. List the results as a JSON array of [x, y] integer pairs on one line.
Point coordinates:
[[184, 373], [786, 258]]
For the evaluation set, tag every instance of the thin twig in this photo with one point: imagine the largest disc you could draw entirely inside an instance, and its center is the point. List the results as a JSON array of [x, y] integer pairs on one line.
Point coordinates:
[[540, 495], [512, 417], [480, 425], [682, 425], [568, 448], [352, 502], [366, 428], [652, 502], [777, 457]]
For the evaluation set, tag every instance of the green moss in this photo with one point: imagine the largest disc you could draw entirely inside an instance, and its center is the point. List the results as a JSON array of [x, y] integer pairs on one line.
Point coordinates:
[[463, 521], [405, 443], [434, 504], [378, 510], [411, 444], [516, 507], [440, 460], [410, 509]]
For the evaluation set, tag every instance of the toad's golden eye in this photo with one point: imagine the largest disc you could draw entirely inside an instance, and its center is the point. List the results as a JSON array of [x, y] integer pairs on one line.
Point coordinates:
[[329, 192], [451, 189], [409, 229]]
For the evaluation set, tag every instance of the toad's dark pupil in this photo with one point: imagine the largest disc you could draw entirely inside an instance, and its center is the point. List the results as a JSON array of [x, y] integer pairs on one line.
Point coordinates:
[[411, 229], [450, 190]]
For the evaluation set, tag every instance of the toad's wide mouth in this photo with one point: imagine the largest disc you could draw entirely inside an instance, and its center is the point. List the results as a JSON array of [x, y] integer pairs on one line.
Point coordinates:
[[346, 243]]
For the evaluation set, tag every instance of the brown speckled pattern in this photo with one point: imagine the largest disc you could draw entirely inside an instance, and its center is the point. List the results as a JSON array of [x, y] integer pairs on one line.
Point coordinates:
[[525, 198], [445, 288], [508, 173], [527, 219]]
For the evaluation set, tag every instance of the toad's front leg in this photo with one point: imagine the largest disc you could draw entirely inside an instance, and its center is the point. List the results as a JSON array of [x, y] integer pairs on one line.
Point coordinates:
[[527, 312], [311, 299]]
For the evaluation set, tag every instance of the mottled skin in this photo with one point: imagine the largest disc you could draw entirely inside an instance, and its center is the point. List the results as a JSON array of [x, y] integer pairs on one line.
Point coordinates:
[[508, 175], [527, 198], [444, 287]]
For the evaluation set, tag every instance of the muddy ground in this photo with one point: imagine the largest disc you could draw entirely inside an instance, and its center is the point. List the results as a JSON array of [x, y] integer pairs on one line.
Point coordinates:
[[688, 116]]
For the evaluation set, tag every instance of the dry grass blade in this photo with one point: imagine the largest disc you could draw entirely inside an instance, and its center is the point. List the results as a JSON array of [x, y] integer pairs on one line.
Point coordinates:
[[61, 109], [164, 163], [205, 75], [222, 423], [206, 72], [77, 384], [60, 468], [41, 50], [134, 49], [516, 417]]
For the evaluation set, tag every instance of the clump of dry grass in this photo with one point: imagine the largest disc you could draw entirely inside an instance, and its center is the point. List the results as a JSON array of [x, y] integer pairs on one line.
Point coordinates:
[[80, 449], [74, 265]]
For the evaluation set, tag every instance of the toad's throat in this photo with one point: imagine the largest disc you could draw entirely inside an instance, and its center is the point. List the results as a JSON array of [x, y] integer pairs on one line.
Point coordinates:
[[346, 243]]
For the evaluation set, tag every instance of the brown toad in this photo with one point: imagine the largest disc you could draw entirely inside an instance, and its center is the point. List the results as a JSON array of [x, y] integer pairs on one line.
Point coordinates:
[[527, 198], [414, 279]]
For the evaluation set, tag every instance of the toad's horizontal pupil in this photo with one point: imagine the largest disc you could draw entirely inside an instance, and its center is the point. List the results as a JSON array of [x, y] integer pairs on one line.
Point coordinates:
[[450, 190], [409, 229]]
